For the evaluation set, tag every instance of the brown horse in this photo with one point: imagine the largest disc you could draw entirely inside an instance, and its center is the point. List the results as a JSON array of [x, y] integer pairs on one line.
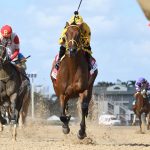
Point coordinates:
[[14, 94], [73, 79], [142, 110]]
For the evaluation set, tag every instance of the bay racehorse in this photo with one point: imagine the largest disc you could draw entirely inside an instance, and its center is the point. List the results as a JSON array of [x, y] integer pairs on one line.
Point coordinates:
[[14, 93], [142, 109], [73, 78]]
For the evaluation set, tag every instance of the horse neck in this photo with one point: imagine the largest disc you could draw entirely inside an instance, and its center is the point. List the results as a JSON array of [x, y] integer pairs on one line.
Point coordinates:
[[76, 66], [140, 101], [5, 70], [75, 61]]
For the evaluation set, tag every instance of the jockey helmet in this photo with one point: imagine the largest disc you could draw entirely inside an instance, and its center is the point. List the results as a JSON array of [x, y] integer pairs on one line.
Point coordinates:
[[77, 19], [6, 31], [142, 80]]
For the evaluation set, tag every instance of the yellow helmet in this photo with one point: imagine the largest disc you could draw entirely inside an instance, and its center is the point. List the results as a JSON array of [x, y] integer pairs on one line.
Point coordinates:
[[77, 19]]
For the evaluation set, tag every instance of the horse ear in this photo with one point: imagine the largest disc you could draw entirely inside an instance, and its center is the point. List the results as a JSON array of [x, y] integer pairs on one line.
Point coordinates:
[[67, 24]]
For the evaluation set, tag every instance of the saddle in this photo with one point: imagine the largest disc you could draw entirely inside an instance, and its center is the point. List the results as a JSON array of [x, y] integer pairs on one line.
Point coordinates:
[[93, 65], [23, 76], [92, 68]]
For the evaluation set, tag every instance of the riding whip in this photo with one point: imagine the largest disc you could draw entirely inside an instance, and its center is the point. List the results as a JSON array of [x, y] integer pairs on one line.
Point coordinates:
[[76, 12], [79, 5], [24, 59]]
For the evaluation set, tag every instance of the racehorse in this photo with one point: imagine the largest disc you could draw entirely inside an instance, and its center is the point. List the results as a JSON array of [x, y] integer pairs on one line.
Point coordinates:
[[13, 92], [142, 110], [73, 78]]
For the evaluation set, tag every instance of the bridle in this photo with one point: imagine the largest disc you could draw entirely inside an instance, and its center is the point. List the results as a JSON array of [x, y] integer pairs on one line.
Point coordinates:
[[73, 41], [2, 51], [3, 61]]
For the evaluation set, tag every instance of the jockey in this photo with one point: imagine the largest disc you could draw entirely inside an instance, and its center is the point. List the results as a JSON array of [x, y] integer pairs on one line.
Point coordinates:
[[10, 40], [86, 37], [143, 86], [20, 62]]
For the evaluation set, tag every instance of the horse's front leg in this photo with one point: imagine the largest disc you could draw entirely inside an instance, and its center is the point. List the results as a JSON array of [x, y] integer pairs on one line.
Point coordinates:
[[148, 121], [1, 121], [84, 100], [13, 115], [65, 119], [82, 131], [140, 122], [14, 111], [134, 119]]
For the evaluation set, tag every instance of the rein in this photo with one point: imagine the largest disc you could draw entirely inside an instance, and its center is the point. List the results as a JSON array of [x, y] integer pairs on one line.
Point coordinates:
[[72, 41]]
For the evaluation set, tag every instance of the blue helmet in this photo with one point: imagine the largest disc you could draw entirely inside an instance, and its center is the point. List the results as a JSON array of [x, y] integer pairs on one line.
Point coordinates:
[[142, 80]]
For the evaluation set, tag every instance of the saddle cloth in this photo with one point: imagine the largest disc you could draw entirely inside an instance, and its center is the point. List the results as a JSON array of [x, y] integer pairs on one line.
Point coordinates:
[[92, 70]]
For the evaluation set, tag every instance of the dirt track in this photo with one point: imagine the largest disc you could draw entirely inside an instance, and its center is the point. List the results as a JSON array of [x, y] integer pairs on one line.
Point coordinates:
[[36, 136]]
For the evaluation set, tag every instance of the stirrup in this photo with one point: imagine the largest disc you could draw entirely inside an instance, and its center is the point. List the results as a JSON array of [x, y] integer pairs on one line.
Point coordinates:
[[57, 65]]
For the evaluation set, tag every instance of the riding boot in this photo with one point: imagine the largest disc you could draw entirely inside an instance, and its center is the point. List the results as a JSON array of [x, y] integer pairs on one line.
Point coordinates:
[[22, 72], [61, 53], [24, 75], [88, 56]]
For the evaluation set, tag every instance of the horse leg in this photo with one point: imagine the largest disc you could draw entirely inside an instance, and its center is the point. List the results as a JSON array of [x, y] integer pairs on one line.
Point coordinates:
[[14, 115], [20, 121], [140, 122], [65, 119], [148, 121], [134, 119], [84, 100], [14, 111], [1, 125], [142, 119], [144, 123], [148, 126], [24, 109]]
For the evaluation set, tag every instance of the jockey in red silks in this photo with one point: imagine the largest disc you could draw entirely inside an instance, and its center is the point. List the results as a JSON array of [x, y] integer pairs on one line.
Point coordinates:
[[10, 40]]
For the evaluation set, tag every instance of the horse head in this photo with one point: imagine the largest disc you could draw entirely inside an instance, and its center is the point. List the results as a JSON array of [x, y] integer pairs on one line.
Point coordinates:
[[3, 55], [73, 38]]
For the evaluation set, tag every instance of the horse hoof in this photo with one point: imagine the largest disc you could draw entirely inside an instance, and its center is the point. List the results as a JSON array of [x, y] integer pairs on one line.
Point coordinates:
[[66, 130], [12, 122], [65, 119], [81, 136]]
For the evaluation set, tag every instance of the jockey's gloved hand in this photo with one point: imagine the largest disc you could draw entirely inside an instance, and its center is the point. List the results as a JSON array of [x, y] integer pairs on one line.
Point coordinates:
[[9, 59], [76, 12], [143, 92]]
